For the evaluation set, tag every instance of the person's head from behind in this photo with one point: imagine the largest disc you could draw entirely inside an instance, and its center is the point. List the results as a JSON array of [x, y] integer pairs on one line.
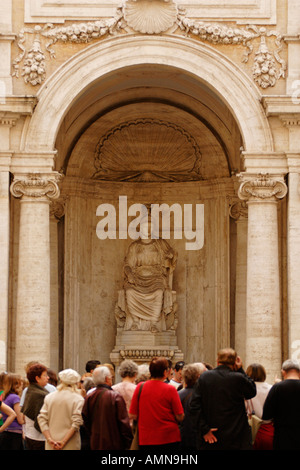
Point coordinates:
[[102, 376], [257, 372], [128, 368], [227, 357], [143, 373], [68, 379], [91, 365], [190, 375], [158, 367], [12, 383], [290, 368]]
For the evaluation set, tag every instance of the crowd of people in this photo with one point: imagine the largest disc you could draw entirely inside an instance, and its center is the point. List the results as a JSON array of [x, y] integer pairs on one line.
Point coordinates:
[[156, 407]]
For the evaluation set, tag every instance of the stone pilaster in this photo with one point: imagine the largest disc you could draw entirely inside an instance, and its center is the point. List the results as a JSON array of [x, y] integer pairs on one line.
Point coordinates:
[[263, 322], [239, 212], [32, 327], [292, 123]]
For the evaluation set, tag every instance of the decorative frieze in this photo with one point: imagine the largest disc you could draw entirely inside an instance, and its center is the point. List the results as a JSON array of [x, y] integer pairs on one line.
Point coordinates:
[[151, 17], [145, 354]]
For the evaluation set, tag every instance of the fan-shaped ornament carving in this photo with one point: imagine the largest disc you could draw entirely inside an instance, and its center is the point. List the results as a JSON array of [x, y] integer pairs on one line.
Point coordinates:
[[147, 150], [150, 16]]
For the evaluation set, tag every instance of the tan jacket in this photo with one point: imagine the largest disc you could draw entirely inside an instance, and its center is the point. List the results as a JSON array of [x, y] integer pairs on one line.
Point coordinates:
[[61, 411]]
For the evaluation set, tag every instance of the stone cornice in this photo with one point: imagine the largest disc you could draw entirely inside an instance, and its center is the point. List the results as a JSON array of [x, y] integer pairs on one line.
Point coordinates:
[[18, 105], [293, 161], [291, 38], [265, 162], [281, 105], [5, 160], [8, 37], [28, 162]]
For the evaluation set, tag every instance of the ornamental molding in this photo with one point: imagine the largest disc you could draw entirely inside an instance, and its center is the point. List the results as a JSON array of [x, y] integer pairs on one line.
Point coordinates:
[[36, 186], [150, 17], [146, 354], [8, 119], [263, 188]]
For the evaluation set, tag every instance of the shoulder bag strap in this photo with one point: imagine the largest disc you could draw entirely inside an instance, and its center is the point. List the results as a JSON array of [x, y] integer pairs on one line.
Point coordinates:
[[138, 399]]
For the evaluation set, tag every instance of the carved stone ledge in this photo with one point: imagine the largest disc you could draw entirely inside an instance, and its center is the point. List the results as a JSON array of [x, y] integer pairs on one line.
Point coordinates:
[[262, 187]]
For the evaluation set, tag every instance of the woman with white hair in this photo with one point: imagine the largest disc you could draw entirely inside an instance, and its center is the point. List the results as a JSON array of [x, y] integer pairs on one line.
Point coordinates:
[[128, 371], [60, 416]]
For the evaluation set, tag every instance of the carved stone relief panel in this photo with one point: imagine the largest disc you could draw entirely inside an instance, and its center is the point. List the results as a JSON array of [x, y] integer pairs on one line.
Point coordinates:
[[157, 17]]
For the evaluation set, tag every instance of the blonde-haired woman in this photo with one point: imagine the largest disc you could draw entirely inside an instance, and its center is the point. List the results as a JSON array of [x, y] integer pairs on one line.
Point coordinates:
[[11, 438], [60, 416]]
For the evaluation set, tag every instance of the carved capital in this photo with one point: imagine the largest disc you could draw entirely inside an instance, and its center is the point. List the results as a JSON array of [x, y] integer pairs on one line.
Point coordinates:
[[57, 208], [36, 186], [262, 187], [238, 210]]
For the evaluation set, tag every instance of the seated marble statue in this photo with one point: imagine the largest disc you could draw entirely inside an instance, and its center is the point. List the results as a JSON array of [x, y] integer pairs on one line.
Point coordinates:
[[147, 298]]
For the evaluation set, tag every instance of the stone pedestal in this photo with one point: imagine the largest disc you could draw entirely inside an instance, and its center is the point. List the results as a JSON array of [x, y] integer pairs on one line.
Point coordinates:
[[142, 346]]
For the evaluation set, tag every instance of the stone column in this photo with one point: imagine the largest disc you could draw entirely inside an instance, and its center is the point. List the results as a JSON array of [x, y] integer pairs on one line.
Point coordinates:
[[32, 327], [7, 121], [263, 322], [293, 256]]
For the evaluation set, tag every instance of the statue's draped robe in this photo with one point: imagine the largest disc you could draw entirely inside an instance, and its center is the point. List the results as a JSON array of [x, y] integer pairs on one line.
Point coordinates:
[[148, 266]]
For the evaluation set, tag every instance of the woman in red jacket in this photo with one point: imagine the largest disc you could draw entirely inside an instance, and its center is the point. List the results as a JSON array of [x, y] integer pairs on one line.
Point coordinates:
[[158, 410]]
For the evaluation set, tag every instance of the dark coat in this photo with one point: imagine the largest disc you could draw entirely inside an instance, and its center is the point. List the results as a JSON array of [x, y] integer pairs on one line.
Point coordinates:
[[106, 420], [282, 405], [218, 401]]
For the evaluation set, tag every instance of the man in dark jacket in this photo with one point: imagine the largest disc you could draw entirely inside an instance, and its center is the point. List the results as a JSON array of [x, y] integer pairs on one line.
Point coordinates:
[[105, 415], [218, 405], [282, 405]]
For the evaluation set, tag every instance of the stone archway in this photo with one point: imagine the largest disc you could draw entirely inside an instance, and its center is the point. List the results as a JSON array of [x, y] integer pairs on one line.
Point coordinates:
[[220, 75], [206, 71]]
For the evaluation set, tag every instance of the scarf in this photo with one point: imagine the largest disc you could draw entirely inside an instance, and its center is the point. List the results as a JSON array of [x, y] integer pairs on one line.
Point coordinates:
[[33, 402]]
